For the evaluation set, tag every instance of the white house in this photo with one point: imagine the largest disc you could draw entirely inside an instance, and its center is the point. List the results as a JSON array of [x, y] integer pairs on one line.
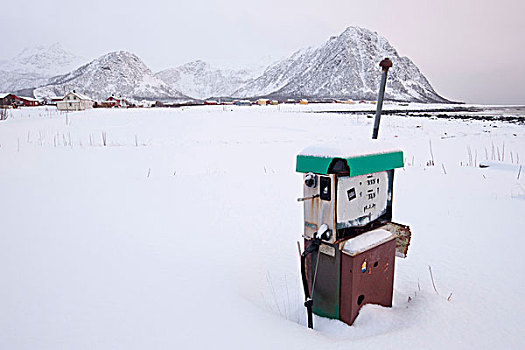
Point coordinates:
[[73, 101]]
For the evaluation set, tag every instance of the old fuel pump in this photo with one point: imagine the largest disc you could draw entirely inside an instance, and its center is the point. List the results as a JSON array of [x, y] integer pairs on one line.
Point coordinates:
[[349, 239]]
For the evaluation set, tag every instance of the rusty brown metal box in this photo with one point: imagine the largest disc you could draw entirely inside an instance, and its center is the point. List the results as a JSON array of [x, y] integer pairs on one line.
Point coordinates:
[[367, 274], [352, 273]]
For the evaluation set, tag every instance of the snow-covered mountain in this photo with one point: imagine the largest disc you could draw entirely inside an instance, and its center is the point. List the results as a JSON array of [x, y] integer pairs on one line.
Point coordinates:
[[13, 81], [34, 66], [45, 61], [346, 66], [199, 79], [117, 73]]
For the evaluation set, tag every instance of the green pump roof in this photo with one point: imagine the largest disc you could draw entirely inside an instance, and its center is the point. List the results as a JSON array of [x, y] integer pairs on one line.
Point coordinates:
[[318, 159]]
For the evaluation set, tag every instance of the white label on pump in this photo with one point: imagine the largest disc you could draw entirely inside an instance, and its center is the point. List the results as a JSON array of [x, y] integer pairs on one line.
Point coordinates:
[[361, 199]]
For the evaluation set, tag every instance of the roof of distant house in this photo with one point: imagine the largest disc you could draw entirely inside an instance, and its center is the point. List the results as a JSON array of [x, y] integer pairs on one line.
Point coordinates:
[[28, 98], [80, 96]]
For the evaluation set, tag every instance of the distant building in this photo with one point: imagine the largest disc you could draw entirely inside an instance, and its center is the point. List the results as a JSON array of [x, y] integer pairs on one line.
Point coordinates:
[[242, 103], [10, 100], [50, 100], [303, 102], [146, 104], [73, 101], [262, 101], [115, 102], [54, 99], [211, 102], [28, 101]]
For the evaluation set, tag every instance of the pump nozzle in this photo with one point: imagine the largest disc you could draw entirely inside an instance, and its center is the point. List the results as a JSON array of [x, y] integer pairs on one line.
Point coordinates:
[[324, 232]]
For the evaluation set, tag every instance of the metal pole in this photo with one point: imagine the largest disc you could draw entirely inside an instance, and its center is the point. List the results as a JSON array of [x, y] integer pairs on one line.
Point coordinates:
[[384, 64]]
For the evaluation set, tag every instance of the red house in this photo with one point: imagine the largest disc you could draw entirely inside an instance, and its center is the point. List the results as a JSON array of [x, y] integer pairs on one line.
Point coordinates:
[[56, 99], [28, 101], [9, 100], [113, 101]]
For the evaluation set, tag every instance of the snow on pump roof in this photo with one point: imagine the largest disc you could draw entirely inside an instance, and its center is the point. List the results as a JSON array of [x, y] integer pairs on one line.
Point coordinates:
[[362, 158]]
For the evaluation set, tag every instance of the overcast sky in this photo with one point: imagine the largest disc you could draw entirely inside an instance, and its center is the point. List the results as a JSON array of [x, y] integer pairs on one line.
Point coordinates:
[[470, 51]]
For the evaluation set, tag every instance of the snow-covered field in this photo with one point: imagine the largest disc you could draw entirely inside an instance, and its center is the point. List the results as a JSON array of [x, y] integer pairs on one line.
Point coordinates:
[[181, 232]]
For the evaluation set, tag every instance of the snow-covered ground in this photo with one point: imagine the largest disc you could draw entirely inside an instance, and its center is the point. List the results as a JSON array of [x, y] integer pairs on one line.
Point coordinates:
[[181, 232]]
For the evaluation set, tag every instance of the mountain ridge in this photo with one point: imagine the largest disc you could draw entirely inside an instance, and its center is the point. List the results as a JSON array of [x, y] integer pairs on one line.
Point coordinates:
[[118, 73], [43, 61], [346, 66], [201, 80], [343, 67]]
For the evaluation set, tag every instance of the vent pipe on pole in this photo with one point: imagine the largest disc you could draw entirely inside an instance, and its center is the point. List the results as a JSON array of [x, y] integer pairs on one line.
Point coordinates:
[[384, 64]]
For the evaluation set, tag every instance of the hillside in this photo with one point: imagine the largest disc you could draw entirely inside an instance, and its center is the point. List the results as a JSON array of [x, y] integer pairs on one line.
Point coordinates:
[[346, 66], [117, 73]]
